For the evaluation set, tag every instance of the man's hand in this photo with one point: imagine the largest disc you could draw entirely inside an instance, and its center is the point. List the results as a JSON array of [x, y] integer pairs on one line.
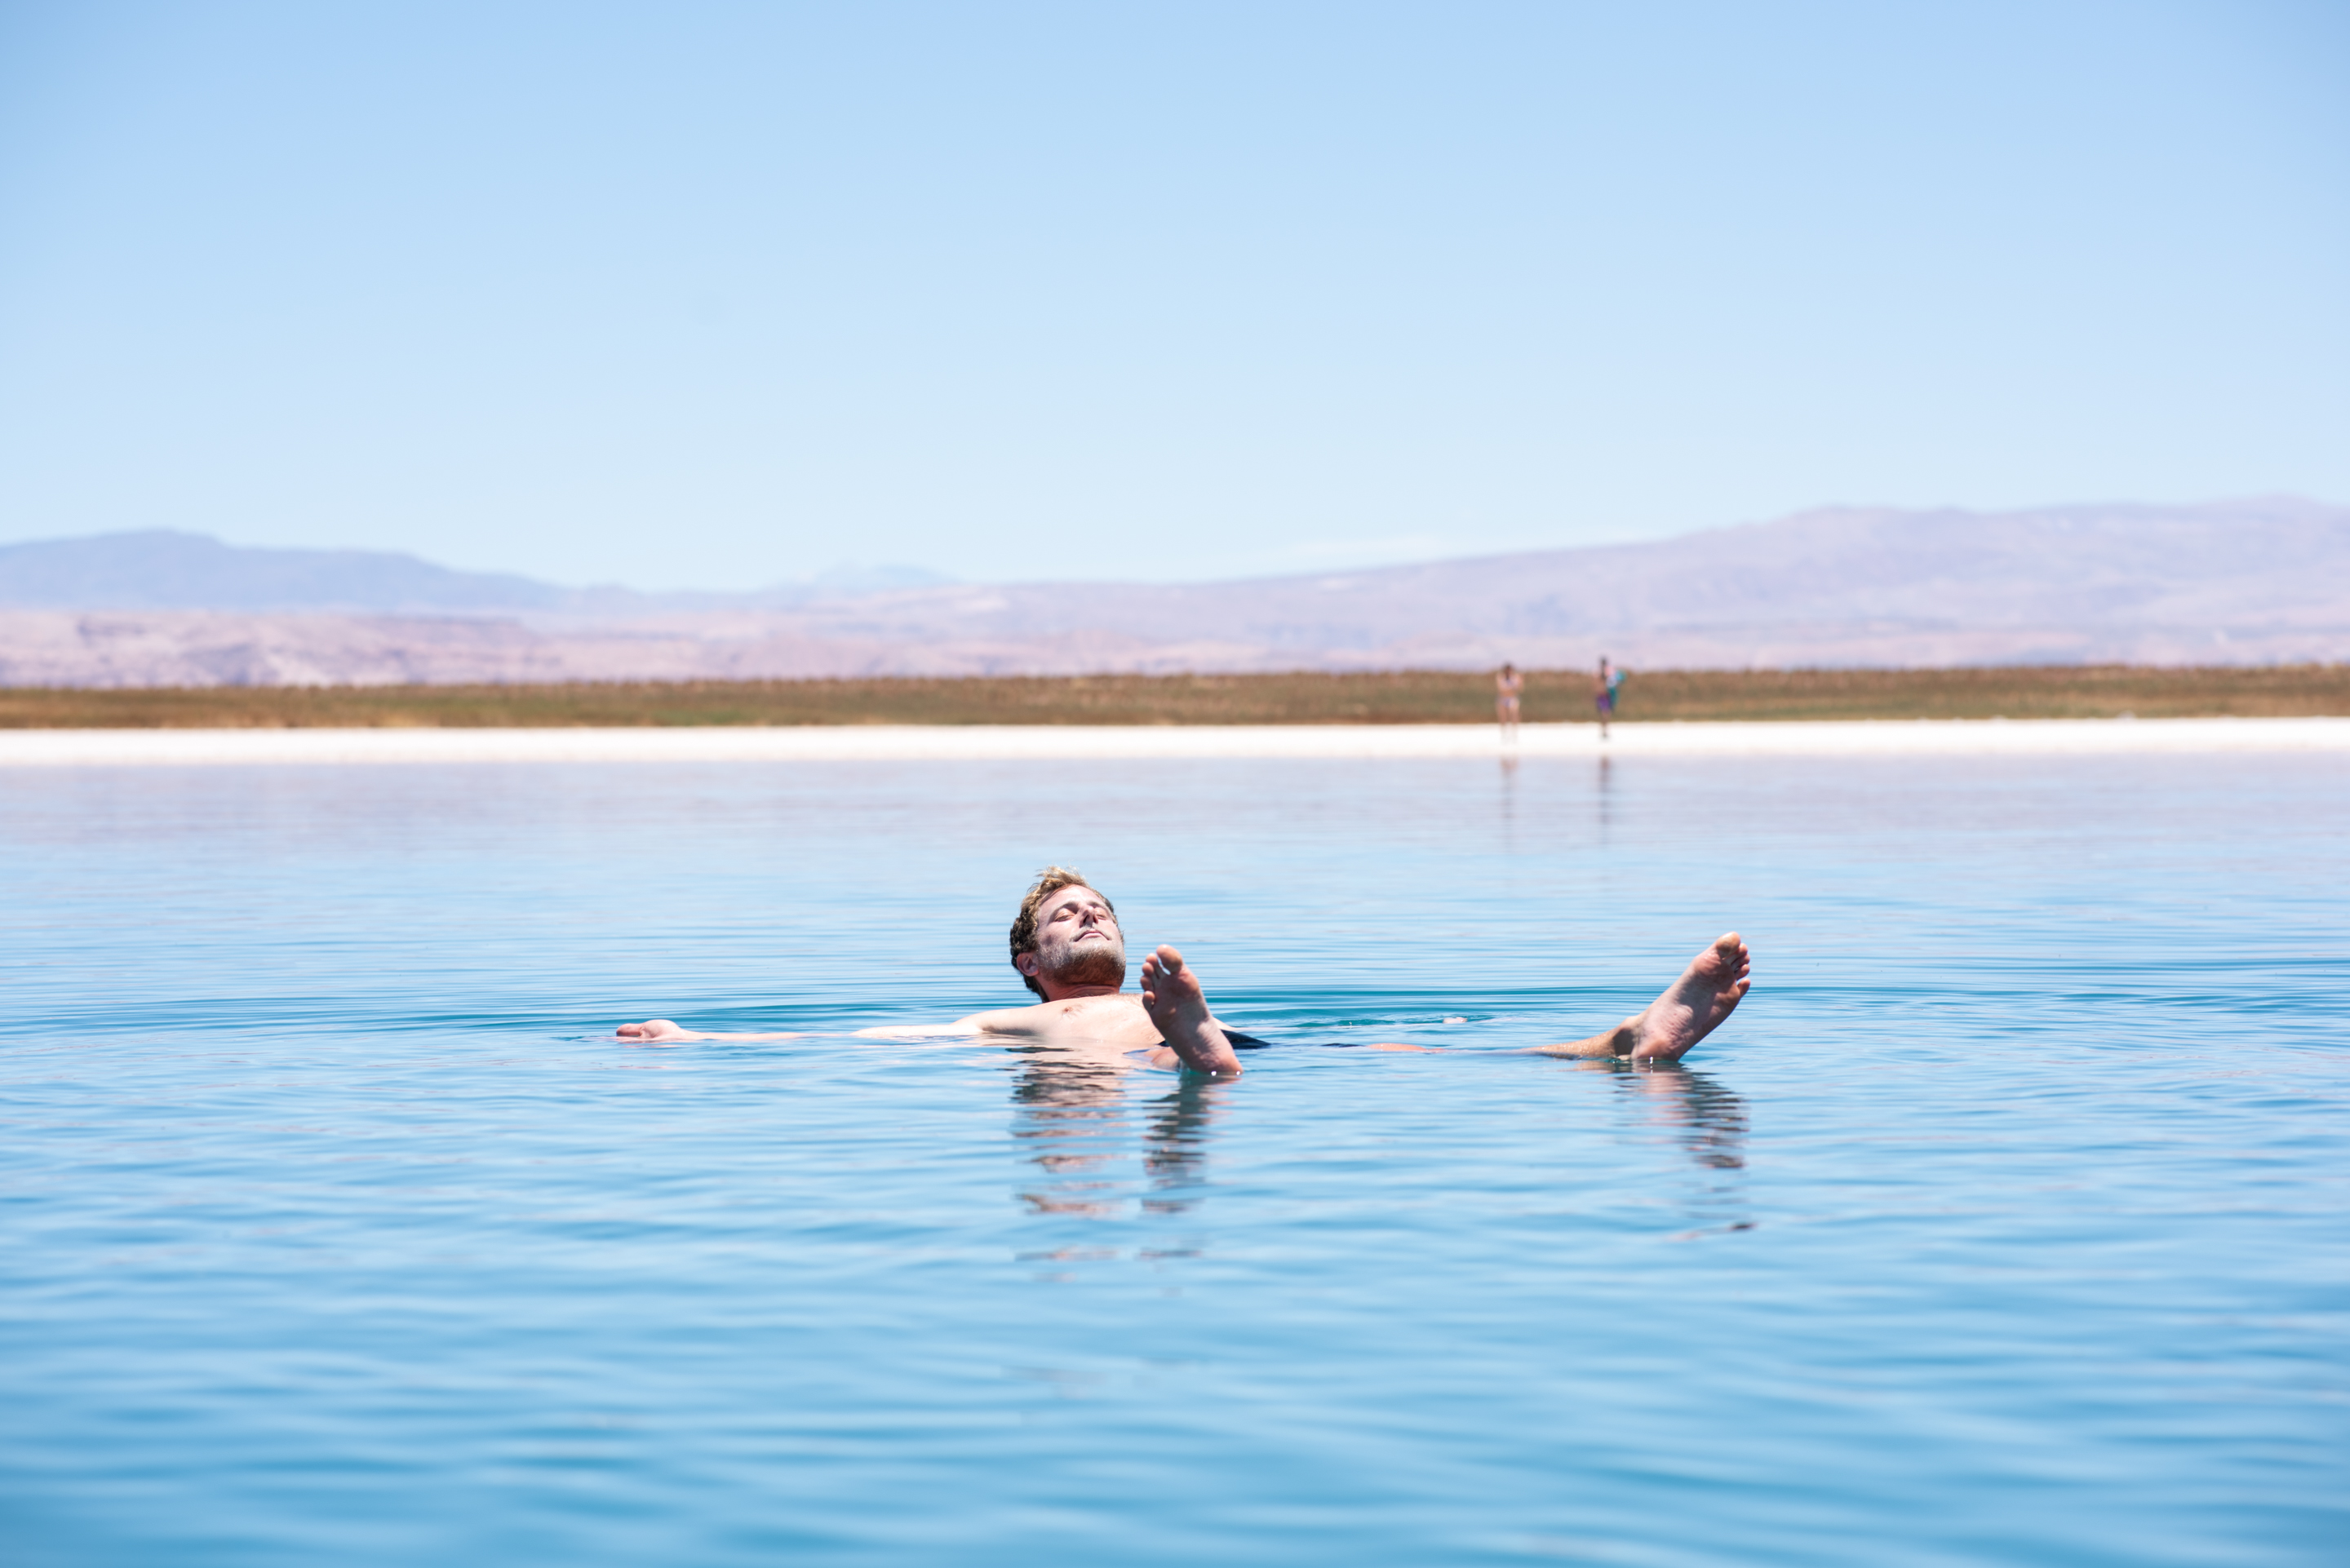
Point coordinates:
[[657, 1032]]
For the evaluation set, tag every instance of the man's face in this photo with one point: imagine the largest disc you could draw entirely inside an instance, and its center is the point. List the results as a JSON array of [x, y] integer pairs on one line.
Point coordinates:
[[1077, 941]]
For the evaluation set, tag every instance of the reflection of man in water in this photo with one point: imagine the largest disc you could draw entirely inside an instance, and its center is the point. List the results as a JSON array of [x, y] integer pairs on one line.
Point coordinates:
[[1077, 1121], [1506, 687], [1073, 1117], [1066, 945]]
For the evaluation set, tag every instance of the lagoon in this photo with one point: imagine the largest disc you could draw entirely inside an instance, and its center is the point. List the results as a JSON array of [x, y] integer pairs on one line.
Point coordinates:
[[2009, 1221]]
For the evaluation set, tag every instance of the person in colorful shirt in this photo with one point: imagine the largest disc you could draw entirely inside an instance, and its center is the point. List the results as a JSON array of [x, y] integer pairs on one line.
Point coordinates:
[[1603, 694]]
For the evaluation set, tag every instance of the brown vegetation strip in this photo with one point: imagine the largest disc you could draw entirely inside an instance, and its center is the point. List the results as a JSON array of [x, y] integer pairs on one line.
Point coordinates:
[[1404, 697]]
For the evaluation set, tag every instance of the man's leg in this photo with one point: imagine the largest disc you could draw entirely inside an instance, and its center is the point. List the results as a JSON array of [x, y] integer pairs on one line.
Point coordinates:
[[1691, 1008], [1172, 995]]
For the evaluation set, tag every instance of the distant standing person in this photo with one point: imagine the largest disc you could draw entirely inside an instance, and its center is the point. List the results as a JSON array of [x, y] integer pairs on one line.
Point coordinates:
[[1603, 695], [1506, 687]]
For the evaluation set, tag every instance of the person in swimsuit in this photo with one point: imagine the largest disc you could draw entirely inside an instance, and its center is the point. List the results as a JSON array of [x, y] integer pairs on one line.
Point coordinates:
[[1603, 695], [1067, 947], [1506, 687]]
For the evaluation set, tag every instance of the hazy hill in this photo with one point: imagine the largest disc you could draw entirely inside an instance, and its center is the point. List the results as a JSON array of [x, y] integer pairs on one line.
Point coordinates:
[[2249, 581], [162, 568], [2060, 583]]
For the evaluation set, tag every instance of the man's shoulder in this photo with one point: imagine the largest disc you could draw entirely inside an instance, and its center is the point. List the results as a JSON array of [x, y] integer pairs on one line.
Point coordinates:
[[1044, 1014]]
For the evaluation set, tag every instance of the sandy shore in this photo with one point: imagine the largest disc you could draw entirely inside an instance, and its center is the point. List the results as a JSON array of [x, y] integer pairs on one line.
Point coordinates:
[[877, 743]]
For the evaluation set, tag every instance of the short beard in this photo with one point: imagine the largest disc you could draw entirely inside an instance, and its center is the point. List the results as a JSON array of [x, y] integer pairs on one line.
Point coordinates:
[[1097, 963]]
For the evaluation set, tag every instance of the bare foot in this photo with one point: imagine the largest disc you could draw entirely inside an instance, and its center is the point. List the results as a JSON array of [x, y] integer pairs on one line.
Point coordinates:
[[1688, 1010], [1694, 1006], [1172, 995]]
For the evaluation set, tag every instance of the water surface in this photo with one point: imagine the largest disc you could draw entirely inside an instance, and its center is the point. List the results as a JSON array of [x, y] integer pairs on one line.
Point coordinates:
[[2007, 1222]]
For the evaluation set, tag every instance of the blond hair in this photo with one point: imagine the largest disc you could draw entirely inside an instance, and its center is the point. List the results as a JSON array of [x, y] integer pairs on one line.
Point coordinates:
[[1049, 882]]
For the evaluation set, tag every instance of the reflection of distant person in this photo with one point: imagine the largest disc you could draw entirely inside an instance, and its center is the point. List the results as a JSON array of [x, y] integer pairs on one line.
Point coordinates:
[[1068, 949], [1506, 687], [1603, 695]]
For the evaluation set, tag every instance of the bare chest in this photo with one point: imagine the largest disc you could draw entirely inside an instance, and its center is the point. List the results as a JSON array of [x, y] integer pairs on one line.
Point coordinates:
[[1113, 1020]]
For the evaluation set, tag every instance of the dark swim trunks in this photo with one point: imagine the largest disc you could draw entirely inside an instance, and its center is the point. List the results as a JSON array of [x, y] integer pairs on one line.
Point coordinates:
[[1240, 1042]]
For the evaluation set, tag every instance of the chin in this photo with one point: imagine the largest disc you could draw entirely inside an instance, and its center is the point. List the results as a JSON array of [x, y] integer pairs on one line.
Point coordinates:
[[1092, 968]]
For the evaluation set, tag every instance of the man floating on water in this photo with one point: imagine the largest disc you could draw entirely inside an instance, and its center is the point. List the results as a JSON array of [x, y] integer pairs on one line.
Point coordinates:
[[1067, 947]]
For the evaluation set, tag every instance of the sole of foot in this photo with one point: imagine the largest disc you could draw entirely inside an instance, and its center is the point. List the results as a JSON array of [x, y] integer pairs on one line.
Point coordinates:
[[1694, 1006], [1172, 995]]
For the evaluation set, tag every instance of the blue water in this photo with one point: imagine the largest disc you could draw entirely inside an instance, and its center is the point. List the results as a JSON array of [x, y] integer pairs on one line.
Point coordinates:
[[2008, 1223]]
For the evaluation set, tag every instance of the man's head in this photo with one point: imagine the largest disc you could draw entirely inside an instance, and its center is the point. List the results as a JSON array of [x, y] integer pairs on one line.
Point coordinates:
[[1066, 937]]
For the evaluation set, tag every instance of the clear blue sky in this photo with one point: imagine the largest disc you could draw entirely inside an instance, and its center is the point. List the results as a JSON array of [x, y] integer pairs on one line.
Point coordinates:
[[711, 295]]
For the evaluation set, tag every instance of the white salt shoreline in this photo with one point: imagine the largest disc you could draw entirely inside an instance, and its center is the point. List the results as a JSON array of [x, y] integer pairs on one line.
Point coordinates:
[[906, 742]]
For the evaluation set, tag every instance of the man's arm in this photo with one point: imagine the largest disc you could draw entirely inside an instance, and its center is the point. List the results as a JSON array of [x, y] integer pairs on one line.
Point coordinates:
[[961, 1028], [1029, 1020], [662, 1031]]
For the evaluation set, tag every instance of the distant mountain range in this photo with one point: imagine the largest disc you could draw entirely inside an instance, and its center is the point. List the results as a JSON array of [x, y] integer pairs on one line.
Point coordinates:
[[162, 568], [2232, 582]]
